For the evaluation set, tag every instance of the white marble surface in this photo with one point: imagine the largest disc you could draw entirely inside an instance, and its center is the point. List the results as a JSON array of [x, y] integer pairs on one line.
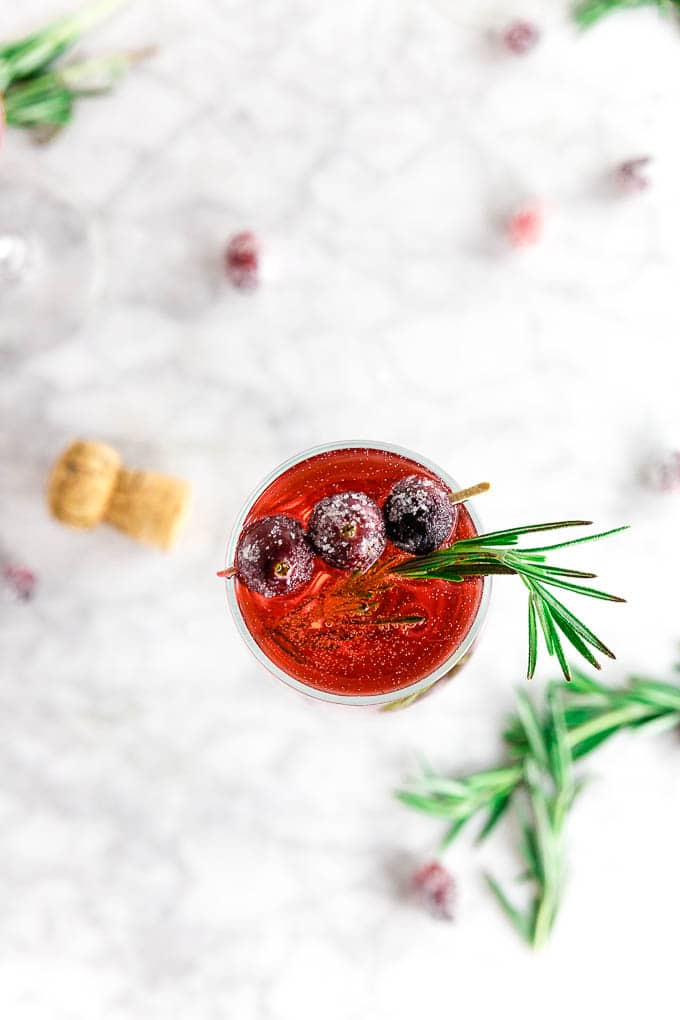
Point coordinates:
[[180, 837]]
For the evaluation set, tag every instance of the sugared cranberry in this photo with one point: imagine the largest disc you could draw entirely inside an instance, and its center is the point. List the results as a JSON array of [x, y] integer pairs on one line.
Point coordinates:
[[520, 37], [242, 260], [525, 226], [419, 515], [631, 175], [273, 556], [347, 530], [435, 889], [19, 582]]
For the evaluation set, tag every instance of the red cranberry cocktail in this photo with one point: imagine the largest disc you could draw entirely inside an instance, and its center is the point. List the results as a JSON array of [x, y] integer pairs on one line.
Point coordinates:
[[313, 592]]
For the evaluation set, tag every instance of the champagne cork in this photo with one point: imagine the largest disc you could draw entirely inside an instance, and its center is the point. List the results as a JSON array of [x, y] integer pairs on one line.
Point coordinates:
[[148, 506], [82, 483], [89, 484]]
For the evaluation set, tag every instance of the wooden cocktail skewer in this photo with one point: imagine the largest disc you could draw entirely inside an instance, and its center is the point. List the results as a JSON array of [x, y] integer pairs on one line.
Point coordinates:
[[473, 490]]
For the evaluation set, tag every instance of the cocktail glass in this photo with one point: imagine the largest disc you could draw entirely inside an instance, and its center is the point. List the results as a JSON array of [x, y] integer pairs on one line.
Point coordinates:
[[48, 266], [349, 639]]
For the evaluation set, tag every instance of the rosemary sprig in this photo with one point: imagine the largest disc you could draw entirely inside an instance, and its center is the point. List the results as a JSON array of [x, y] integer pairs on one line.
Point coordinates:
[[593, 713], [590, 11], [496, 553], [48, 99], [538, 778], [34, 53], [34, 92]]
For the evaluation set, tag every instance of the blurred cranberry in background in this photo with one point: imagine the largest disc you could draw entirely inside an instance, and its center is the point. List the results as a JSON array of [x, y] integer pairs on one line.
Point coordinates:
[[525, 226], [434, 888], [242, 260], [520, 37], [662, 473], [631, 176], [18, 582]]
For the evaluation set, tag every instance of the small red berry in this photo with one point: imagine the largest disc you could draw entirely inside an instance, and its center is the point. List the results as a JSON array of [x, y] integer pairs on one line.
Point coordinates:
[[525, 226], [663, 473], [242, 260], [347, 530], [273, 556], [19, 582], [631, 176], [435, 888], [520, 37]]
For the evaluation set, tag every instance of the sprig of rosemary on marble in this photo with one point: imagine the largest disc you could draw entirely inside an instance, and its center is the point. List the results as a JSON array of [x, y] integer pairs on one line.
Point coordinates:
[[590, 11], [49, 99], [496, 553], [34, 93], [537, 777]]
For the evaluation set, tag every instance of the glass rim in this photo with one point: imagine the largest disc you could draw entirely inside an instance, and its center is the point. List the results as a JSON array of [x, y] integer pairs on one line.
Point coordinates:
[[389, 697]]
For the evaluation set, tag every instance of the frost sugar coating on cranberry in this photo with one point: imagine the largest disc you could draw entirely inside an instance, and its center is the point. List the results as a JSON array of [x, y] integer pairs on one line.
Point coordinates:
[[347, 530], [273, 556], [419, 515]]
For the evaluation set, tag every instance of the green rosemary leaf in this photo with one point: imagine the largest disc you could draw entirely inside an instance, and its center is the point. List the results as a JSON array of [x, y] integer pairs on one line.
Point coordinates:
[[495, 779], [36, 52], [441, 786], [558, 608], [513, 734], [658, 694], [496, 811], [542, 613], [528, 849], [38, 103], [561, 759], [531, 724], [452, 833], [657, 724], [579, 541], [589, 744], [440, 575], [519, 920], [427, 805], [512, 534], [586, 685], [624, 713], [446, 558], [593, 593], [548, 853], [575, 716], [559, 650], [533, 636], [575, 641], [558, 571], [588, 12]]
